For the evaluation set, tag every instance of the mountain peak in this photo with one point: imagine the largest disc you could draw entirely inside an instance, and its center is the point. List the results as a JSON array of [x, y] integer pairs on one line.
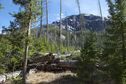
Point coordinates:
[[89, 21]]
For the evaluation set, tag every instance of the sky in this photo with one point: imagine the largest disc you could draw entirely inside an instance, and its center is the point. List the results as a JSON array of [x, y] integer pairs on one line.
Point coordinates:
[[69, 7]]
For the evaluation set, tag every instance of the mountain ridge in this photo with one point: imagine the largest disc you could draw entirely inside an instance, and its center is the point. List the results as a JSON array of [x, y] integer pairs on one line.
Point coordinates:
[[90, 21]]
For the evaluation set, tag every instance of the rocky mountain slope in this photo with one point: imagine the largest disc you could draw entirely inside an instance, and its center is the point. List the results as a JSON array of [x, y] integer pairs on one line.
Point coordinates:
[[75, 22]]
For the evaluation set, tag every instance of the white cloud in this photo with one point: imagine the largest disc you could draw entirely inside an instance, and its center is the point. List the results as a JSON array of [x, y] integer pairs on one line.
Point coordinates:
[[58, 16]]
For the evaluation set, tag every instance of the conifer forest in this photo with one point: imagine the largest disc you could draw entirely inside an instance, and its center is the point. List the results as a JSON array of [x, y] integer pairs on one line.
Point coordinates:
[[62, 41]]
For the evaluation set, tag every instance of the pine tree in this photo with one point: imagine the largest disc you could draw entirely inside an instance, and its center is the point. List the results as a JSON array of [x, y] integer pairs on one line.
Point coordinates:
[[114, 45], [87, 60], [15, 52], [4, 49], [26, 17]]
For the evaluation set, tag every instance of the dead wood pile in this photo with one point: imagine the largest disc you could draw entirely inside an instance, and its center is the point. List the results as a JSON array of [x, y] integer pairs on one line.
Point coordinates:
[[50, 63]]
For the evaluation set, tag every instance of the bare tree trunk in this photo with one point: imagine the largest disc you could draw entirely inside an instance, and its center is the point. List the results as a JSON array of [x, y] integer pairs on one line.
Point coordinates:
[[68, 37], [47, 20], [60, 30], [81, 23], [102, 23], [26, 53], [78, 4], [75, 37], [100, 9], [40, 31]]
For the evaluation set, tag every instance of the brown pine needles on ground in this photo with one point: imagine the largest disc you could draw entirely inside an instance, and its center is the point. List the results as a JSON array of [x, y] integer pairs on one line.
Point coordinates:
[[52, 78]]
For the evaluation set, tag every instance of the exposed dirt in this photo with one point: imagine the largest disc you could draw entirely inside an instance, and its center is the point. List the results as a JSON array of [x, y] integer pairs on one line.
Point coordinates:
[[52, 78]]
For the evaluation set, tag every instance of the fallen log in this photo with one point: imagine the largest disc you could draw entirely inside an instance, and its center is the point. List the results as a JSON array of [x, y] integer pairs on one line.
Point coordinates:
[[50, 63]]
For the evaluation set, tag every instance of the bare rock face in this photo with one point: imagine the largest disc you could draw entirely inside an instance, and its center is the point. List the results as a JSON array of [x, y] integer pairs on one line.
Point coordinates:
[[88, 21]]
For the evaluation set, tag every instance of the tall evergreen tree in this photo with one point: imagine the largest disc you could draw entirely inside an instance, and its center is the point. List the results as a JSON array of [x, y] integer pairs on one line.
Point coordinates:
[[15, 52], [26, 17], [114, 46], [88, 60]]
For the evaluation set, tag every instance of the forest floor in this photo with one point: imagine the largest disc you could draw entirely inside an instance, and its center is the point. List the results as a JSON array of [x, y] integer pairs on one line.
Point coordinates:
[[52, 78]]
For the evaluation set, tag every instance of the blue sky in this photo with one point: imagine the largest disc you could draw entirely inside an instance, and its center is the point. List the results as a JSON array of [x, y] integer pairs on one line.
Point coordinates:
[[69, 8]]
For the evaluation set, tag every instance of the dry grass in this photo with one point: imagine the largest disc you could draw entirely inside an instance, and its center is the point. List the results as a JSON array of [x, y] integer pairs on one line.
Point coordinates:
[[52, 78]]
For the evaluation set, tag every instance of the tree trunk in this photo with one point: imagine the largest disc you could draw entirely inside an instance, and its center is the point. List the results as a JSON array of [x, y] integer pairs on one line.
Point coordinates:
[[60, 30], [81, 23], [40, 31], [26, 53], [47, 20]]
